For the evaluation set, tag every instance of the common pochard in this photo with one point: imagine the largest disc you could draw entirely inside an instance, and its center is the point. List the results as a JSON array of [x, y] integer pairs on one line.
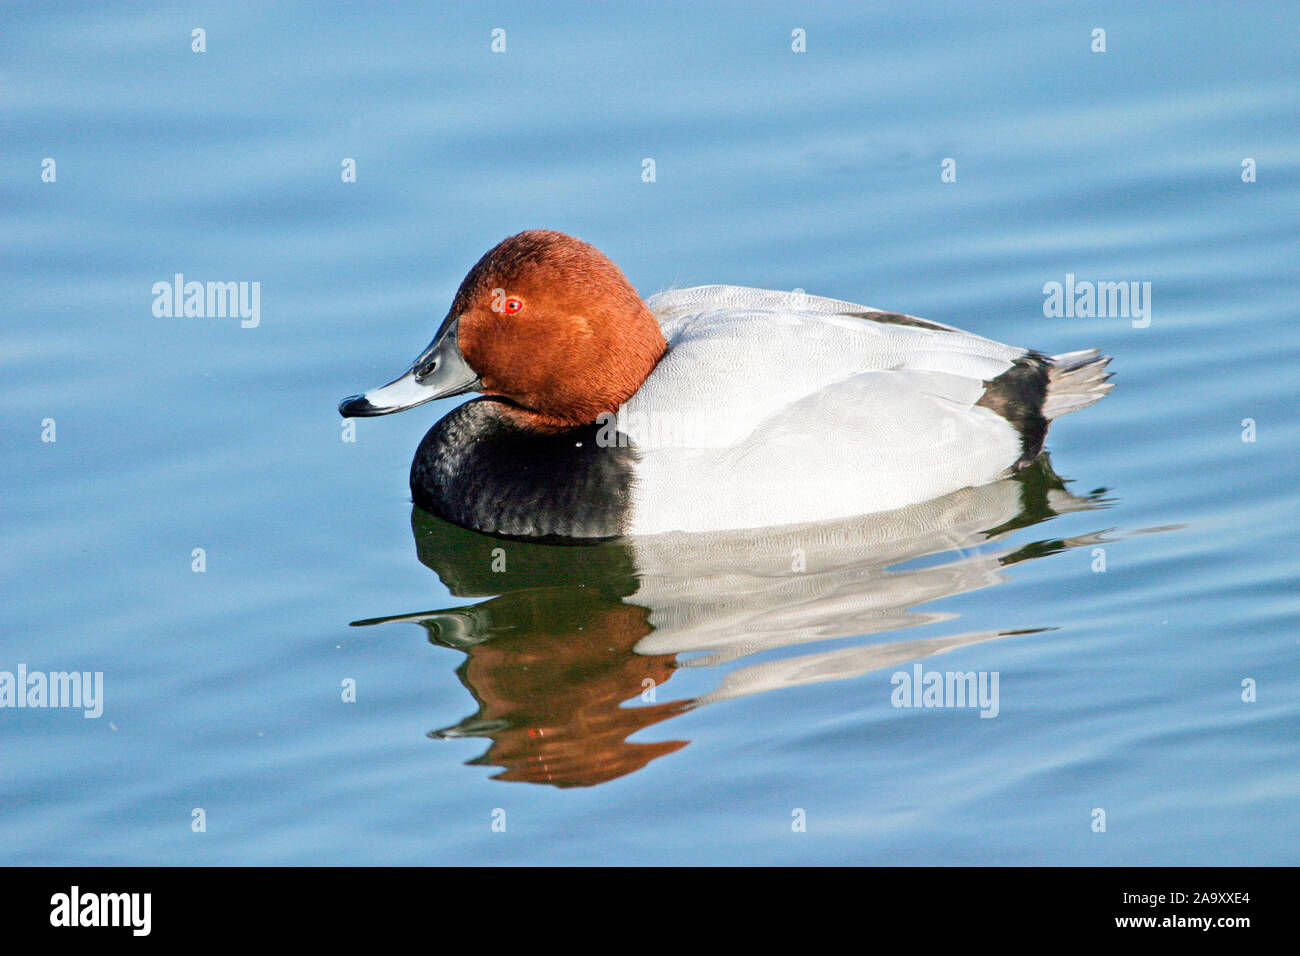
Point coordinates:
[[704, 409]]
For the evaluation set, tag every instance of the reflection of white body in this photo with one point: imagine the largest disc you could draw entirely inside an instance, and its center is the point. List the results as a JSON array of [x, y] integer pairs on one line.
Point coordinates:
[[774, 408], [735, 594], [717, 597]]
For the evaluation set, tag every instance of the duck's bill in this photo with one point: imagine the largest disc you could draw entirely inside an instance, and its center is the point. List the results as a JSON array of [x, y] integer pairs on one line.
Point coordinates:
[[440, 372]]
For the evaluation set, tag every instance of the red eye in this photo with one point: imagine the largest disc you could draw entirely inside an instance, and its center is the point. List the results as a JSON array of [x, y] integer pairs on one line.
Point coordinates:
[[511, 306]]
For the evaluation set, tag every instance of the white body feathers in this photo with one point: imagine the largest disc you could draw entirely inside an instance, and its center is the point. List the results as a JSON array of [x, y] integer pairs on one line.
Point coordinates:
[[777, 408]]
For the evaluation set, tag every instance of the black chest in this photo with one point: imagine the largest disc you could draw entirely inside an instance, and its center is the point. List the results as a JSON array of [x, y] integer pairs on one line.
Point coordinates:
[[479, 469]]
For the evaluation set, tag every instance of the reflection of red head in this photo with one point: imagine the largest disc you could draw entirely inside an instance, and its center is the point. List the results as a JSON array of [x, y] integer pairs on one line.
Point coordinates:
[[555, 681]]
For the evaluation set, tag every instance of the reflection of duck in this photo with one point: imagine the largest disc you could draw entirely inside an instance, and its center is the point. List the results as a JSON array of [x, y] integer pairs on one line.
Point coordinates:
[[569, 634], [705, 409]]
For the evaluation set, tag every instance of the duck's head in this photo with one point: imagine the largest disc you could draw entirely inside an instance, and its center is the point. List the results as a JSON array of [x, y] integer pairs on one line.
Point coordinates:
[[545, 322]]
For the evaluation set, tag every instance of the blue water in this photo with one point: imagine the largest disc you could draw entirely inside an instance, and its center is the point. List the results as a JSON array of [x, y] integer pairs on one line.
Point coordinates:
[[1120, 689]]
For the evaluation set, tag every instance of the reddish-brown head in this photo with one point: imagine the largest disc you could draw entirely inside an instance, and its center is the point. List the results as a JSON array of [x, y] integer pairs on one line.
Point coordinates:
[[545, 322], [551, 324]]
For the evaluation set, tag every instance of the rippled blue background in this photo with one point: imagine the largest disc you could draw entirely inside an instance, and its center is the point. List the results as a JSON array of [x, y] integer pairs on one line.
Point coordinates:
[[817, 170]]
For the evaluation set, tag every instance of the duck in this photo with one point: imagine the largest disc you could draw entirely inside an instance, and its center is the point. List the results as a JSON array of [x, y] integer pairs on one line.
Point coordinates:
[[601, 414]]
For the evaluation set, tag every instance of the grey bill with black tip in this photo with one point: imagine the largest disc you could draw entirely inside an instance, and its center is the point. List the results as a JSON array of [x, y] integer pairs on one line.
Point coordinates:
[[440, 372]]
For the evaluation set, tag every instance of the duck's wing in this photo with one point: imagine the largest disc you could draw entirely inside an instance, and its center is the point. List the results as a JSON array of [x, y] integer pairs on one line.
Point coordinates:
[[749, 354]]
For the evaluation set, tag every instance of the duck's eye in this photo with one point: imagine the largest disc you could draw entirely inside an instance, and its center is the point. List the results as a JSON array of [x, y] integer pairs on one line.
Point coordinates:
[[512, 305]]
